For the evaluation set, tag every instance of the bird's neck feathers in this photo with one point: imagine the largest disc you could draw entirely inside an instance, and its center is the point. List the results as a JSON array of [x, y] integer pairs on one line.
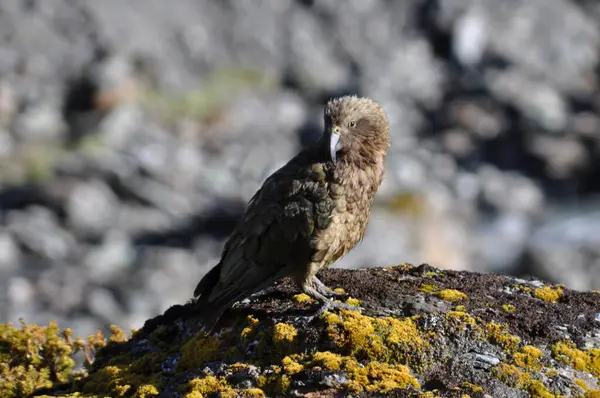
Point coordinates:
[[362, 167]]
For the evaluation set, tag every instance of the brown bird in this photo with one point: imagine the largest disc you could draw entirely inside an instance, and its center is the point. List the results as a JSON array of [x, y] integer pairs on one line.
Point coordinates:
[[307, 214]]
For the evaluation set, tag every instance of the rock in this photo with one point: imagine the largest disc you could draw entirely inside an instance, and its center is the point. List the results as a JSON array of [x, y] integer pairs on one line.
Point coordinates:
[[110, 260], [489, 342], [313, 60], [37, 229], [40, 124], [9, 253], [565, 248], [92, 208], [140, 120], [102, 303], [537, 100]]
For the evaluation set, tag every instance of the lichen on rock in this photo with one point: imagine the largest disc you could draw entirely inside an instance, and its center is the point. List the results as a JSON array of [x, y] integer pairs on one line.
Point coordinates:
[[405, 341]]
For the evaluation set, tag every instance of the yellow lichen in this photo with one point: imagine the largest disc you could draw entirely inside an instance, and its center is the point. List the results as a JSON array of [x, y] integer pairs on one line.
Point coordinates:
[[377, 376], [248, 332], [513, 377], [290, 366], [146, 391], [459, 308], [508, 308], [460, 320], [327, 360], [387, 339], [34, 357], [140, 376], [118, 335], [201, 387], [237, 367], [198, 350], [302, 298], [588, 361], [471, 386], [284, 336], [524, 288], [451, 295], [339, 290], [353, 301], [498, 333], [427, 288], [528, 358], [253, 393], [548, 293]]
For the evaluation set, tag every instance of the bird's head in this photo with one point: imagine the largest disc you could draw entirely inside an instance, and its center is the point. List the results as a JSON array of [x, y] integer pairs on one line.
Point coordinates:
[[356, 130]]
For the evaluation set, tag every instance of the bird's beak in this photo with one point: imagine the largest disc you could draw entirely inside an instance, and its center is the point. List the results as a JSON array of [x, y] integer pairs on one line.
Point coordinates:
[[334, 145]]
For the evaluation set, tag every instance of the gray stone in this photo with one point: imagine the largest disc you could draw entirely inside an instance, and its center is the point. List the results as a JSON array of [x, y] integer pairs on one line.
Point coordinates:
[[111, 259], [10, 255], [92, 207], [38, 230]]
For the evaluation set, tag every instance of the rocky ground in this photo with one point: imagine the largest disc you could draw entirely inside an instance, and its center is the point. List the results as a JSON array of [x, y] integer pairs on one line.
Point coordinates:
[[419, 332], [132, 134]]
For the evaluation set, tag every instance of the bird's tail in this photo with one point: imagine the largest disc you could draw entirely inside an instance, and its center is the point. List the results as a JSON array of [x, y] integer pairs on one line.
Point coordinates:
[[208, 313], [208, 282], [211, 311]]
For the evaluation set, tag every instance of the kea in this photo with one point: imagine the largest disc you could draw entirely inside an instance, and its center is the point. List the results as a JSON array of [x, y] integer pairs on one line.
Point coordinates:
[[307, 214]]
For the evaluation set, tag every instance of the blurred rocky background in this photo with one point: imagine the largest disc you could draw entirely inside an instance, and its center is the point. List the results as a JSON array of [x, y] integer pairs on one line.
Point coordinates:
[[133, 133]]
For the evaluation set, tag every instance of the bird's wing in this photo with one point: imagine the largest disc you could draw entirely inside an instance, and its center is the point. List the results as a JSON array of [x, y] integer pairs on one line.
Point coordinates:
[[276, 234]]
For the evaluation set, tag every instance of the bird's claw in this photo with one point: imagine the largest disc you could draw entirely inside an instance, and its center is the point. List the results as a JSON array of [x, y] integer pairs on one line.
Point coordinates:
[[331, 305], [324, 290]]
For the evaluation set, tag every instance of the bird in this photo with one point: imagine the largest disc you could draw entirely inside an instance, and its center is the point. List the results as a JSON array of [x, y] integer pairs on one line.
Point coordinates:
[[307, 214]]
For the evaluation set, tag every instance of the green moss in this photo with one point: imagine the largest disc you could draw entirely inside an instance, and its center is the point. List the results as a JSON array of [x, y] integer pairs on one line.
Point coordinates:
[[451, 295], [548, 293]]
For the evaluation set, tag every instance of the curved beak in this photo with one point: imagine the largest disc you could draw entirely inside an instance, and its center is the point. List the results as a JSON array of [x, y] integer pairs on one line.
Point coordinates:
[[334, 145]]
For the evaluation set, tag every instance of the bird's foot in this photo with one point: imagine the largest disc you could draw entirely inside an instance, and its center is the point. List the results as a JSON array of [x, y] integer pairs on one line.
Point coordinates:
[[329, 305], [323, 289]]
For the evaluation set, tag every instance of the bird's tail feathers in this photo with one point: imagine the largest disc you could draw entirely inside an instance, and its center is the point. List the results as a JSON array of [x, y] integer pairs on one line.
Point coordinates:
[[210, 312], [208, 282]]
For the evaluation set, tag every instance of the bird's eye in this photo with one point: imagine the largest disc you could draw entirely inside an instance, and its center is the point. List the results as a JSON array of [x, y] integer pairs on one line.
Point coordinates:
[[352, 123]]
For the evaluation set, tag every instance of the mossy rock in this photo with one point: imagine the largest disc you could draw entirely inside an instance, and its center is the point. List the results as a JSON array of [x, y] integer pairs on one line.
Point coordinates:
[[455, 339]]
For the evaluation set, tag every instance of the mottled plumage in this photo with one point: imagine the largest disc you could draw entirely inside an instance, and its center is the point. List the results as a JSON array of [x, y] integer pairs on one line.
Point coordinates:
[[307, 214]]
